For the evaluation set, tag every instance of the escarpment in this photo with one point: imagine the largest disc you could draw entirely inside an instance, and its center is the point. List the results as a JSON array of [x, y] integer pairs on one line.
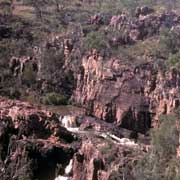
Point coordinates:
[[131, 97]]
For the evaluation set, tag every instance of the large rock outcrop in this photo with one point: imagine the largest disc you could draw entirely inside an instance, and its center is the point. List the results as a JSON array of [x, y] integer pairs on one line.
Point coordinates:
[[102, 159], [33, 145], [132, 97], [128, 95]]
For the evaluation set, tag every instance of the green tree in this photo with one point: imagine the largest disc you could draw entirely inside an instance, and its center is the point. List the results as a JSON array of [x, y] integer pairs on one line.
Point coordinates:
[[96, 40], [169, 39], [174, 60], [161, 161]]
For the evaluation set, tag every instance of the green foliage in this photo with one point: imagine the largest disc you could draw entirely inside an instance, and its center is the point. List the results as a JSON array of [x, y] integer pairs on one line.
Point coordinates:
[[174, 60], [10, 92], [130, 4], [170, 40], [165, 138], [14, 93], [169, 46], [96, 40], [31, 98], [29, 76], [52, 62], [54, 99], [6, 49], [161, 162]]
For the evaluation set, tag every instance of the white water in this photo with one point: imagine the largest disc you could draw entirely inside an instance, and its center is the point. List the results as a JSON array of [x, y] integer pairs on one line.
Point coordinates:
[[62, 178], [69, 168], [70, 123], [74, 130], [68, 171], [121, 141]]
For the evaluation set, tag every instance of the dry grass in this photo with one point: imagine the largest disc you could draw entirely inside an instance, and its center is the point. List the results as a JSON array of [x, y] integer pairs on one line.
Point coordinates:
[[24, 11]]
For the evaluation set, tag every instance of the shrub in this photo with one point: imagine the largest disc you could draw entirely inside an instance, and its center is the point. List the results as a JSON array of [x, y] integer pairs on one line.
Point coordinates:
[[14, 93], [54, 99], [170, 40], [29, 76], [10, 92], [161, 162], [52, 61], [165, 138], [96, 40], [174, 60], [31, 98]]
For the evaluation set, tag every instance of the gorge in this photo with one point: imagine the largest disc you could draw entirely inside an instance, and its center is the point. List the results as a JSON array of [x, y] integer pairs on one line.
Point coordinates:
[[89, 90]]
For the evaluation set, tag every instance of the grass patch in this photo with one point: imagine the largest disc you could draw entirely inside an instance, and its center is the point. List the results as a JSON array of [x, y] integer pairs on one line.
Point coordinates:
[[54, 99]]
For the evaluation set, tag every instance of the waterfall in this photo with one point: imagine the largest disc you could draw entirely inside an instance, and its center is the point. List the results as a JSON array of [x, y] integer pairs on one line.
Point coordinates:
[[62, 178], [69, 122], [69, 167], [68, 172], [121, 141]]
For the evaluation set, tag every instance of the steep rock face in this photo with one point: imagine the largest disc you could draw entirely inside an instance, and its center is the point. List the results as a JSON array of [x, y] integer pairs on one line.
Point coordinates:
[[128, 96], [100, 159], [109, 89], [87, 163], [34, 145], [32, 142]]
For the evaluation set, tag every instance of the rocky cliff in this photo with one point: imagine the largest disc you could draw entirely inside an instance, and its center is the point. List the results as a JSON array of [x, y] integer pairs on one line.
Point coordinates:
[[130, 94], [131, 97], [35, 145], [32, 143]]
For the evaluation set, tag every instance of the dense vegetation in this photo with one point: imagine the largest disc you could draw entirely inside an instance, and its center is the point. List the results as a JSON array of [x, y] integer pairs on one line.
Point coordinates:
[[161, 162]]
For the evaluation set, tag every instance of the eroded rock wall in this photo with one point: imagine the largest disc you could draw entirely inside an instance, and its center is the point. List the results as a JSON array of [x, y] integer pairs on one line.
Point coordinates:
[[132, 97], [33, 145]]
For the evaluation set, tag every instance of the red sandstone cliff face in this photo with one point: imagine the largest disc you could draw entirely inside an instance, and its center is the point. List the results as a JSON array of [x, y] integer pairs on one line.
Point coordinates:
[[132, 97], [99, 159], [32, 142]]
